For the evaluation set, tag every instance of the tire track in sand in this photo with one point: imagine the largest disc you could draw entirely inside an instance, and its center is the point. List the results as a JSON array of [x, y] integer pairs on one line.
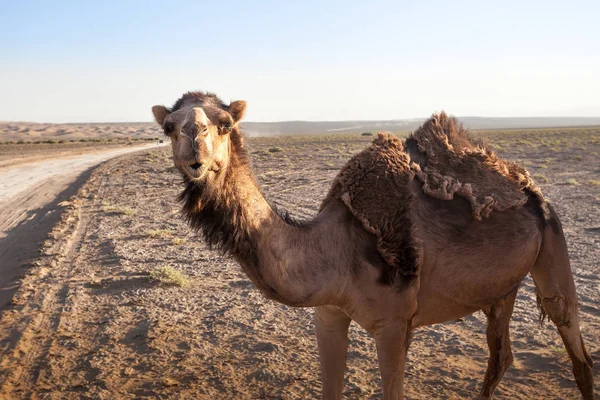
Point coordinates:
[[39, 305], [37, 308]]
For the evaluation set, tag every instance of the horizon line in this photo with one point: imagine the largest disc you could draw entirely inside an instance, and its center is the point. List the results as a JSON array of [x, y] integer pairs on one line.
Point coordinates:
[[308, 121]]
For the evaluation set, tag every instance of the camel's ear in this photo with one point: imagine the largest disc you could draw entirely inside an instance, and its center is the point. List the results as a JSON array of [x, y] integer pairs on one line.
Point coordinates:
[[160, 113], [237, 110]]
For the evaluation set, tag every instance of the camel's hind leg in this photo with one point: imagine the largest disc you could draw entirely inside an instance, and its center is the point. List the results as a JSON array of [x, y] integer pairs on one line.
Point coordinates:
[[556, 291], [498, 316]]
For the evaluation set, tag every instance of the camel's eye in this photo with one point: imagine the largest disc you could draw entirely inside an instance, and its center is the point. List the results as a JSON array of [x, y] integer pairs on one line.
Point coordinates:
[[226, 128], [169, 128]]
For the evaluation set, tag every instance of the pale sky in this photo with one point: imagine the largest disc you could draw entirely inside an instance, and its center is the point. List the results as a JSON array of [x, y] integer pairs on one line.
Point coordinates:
[[105, 61]]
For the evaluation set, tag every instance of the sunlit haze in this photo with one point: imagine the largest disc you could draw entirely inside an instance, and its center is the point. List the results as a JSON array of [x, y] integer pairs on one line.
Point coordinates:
[[311, 60]]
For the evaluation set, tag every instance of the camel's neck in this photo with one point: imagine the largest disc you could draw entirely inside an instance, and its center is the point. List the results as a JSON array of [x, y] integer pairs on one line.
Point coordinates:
[[275, 253]]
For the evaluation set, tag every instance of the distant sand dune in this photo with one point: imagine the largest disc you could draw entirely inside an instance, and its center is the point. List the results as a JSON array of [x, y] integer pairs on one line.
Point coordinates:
[[28, 131], [14, 131]]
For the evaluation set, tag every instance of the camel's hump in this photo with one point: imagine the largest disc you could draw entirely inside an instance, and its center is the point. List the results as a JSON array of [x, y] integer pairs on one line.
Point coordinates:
[[451, 162], [447, 161], [374, 185]]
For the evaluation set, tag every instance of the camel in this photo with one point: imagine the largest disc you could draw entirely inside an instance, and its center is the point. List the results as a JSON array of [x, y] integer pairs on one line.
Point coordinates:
[[412, 232]]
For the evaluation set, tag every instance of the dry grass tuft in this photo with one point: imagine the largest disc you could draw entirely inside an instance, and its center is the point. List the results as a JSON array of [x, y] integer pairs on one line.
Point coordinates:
[[168, 276], [118, 210], [540, 178], [177, 241], [157, 233]]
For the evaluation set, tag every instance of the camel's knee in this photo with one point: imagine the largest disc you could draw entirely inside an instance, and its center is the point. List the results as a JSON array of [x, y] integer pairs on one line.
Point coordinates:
[[558, 309], [504, 354]]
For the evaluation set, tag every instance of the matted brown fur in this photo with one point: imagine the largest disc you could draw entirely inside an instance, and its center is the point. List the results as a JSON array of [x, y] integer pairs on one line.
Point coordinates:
[[374, 185], [453, 163], [456, 164]]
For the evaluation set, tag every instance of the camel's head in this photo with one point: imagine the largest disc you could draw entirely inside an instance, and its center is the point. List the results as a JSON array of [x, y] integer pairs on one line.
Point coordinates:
[[200, 126]]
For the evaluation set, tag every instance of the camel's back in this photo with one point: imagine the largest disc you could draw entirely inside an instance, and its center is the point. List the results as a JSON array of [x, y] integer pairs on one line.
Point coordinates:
[[439, 177]]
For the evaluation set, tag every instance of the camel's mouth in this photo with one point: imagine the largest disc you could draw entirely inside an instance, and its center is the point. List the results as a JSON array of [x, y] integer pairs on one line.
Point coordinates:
[[195, 171]]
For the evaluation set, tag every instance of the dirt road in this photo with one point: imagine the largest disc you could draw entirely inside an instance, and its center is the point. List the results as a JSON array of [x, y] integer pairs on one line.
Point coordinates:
[[30, 197]]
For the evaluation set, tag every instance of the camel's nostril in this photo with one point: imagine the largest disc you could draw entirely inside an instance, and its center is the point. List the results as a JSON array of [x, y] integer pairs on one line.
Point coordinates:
[[196, 165]]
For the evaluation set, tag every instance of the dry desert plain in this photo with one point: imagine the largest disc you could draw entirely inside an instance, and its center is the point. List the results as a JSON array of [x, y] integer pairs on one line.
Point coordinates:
[[125, 301]]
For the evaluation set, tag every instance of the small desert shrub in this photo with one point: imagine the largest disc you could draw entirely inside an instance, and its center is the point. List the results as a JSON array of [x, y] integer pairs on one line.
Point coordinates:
[[367, 134], [117, 210], [540, 178], [177, 241], [594, 182], [275, 149], [168, 276], [572, 181], [155, 233]]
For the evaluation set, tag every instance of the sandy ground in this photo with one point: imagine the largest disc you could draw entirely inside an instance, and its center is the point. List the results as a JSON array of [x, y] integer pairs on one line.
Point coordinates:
[[88, 323], [30, 197]]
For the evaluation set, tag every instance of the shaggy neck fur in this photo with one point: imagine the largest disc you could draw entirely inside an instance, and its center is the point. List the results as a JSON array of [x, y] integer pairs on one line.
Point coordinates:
[[233, 216]]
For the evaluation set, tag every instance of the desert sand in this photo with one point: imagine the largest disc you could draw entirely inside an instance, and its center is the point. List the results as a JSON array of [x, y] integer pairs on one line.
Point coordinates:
[[87, 322]]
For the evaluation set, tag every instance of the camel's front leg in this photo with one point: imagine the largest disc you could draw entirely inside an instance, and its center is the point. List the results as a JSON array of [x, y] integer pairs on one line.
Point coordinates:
[[392, 344], [332, 338]]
